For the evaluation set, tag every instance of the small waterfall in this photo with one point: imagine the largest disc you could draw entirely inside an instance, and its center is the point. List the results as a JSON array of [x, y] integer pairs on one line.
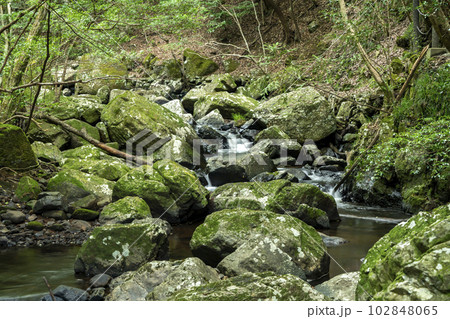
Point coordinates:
[[209, 187], [237, 144]]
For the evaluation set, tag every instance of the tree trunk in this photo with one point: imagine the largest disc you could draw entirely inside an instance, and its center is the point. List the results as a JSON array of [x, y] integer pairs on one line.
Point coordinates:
[[388, 94], [440, 19], [284, 22], [9, 106], [416, 24]]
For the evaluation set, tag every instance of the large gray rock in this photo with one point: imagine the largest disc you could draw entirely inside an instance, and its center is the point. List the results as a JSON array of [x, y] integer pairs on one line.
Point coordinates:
[[225, 231], [66, 293], [14, 216], [253, 287], [222, 172], [214, 119], [158, 280], [118, 248], [48, 201], [302, 114], [257, 255], [342, 287], [256, 163], [411, 262]]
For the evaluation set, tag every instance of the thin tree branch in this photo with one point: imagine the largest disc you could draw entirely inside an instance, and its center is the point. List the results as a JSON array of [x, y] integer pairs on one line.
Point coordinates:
[[44, 66], [21, 14]]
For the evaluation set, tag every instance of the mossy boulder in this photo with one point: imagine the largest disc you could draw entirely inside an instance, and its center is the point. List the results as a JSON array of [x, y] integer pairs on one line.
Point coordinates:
[[27, 189], [95, 67], [90, 130], [91, 183], [256, 163], [85, 214], [302, 114], [252, 287], [130, 114], [125, 210], [87, 109], [230, 65], [47, 152], [48, 133], [35, 225], [220, 83], [15, 149], [158, 280], [181, 152], [198, 65], [171, 190], [256, 88], [92, 160], [411, 262], [227, 104], [114, 249], [225, 231], [271, 133], [172, 69], [341, 287], [303, 201]]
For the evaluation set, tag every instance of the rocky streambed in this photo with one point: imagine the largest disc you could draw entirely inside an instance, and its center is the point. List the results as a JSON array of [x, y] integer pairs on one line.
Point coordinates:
[[235, 192]]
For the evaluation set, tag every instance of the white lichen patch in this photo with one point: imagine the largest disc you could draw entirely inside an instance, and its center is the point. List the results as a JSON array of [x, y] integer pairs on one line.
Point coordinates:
[[116, 254], [412, 224], [125, 250], [295, 232]]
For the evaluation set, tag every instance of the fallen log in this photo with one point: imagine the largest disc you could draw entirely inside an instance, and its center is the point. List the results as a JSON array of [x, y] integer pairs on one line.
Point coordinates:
[[112, 151]]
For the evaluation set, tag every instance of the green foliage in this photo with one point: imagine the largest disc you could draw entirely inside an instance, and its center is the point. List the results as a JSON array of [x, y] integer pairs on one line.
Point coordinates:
[[432, 136], [430, 97]]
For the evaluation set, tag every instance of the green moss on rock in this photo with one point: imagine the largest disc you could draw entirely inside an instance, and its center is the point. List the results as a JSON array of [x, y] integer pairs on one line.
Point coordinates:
[[125, 210], [227, 104], [95, 67], [170, 190], [85, 214], [90, 130], [15, 149], [302, 114], [280, 196], [27, 189], [224, 231], [47, 152], [252, 287], [94, 184], [35, 225], [117, 248], [411, 261], [197, 65], [48, 133], [129, 114]]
